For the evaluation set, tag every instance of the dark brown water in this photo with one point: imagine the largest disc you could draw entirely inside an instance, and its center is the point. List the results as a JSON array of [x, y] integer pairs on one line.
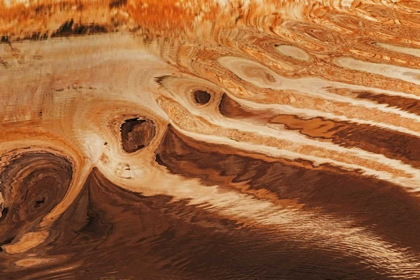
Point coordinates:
[[209, 140]]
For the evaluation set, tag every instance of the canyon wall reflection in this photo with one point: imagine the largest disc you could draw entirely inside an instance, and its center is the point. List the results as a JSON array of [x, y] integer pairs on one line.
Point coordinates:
[[209, 139]]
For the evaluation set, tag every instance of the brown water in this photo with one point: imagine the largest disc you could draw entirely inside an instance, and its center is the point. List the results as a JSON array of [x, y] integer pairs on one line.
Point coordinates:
[[209, 140]]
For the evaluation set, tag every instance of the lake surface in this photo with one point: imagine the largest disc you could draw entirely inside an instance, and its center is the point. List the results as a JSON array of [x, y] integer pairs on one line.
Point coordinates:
[[209, 140]]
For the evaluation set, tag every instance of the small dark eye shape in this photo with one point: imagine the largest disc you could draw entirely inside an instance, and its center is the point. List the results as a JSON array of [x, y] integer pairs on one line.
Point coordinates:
[[137, 134], [202, 97]]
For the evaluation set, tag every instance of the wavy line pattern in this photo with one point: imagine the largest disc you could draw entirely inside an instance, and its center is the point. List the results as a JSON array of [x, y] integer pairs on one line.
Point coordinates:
[[209, 139]]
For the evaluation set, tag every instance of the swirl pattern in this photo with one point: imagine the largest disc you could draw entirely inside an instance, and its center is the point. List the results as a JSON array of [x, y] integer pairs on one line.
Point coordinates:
[[209, 139]]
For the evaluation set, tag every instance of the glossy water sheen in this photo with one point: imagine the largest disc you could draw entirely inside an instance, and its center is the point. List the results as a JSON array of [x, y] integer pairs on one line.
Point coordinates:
[[209, 139]]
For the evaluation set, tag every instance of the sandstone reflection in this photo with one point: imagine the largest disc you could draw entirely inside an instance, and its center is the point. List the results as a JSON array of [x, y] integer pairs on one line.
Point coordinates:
[[209, 139]]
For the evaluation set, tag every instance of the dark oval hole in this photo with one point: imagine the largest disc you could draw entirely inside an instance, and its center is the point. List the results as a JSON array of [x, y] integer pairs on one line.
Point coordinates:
[[137, 134], [202, 97], [4, 213]]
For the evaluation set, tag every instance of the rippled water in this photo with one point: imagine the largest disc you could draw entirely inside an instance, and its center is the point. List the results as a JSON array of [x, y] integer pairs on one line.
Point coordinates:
[[209, 140]]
